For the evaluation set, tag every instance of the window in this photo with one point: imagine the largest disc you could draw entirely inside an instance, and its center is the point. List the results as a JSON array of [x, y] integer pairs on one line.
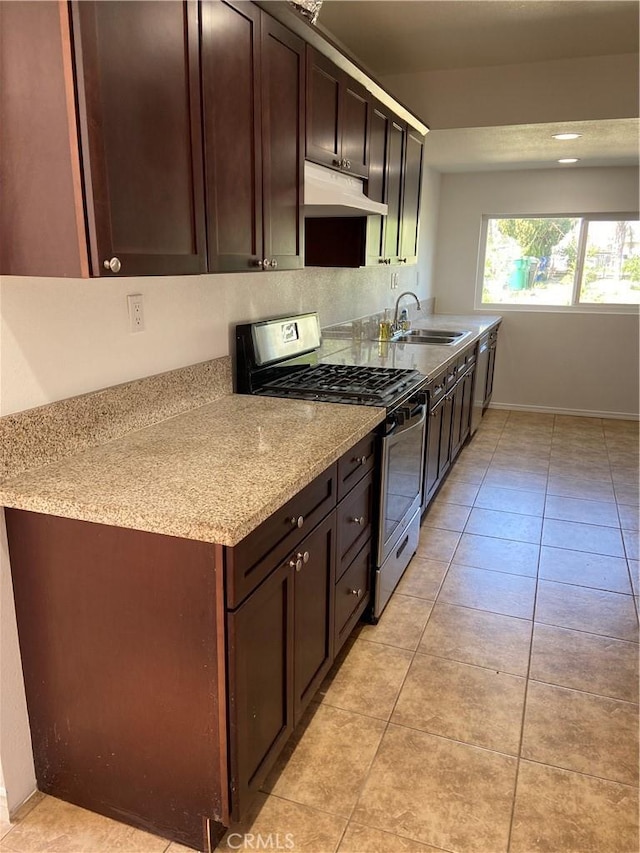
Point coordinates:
[[561, 260]]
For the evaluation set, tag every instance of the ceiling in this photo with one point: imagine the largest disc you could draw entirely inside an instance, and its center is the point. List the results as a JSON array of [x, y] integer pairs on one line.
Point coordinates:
[[400, 36], [405, 36]]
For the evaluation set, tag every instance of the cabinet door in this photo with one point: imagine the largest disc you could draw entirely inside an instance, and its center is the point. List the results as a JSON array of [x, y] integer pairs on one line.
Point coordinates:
[[323, 110], [356, 109], [139, 104], [314, 603], [377, 183], [412, 184], [445, 436], [260, 635], [233, 151], [456, 418], [467, 405], [432, 452], [282, 71], [397, 136]]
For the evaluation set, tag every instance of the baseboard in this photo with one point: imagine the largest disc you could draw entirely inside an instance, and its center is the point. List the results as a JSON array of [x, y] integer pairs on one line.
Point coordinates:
[[8, 815], [578, 413]]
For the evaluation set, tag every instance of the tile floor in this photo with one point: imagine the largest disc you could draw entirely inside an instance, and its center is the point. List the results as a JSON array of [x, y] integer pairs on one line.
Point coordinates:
[[495, 706]]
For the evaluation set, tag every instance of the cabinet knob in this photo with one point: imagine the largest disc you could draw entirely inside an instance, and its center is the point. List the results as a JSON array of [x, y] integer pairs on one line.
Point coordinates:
[[358, 520], [297, 522], [266, 263], [387, 261], [363, 460], [302, 558], [257, 263], [274, 263], [402, 260], [347, 164], [337, 162], [114, 265], [356, 592]]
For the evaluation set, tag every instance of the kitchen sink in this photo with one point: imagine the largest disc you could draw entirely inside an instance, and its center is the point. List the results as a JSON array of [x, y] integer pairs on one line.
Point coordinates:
[[441, 337]]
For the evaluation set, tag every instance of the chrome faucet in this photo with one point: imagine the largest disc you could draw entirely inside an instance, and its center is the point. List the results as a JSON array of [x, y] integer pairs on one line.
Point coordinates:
[[395, 316]]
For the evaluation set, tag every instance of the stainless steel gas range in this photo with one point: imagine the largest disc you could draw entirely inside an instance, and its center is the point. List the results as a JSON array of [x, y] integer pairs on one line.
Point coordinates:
[[280, 358]]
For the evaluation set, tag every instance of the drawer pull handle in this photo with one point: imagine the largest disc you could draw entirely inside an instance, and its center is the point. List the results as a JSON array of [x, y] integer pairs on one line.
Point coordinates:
[[300, 560], [356, 592], [297, 522], [358, 520], [363, 460]]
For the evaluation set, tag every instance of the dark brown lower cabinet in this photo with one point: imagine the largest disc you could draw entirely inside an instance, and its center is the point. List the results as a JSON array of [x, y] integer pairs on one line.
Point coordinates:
[[163, 675]]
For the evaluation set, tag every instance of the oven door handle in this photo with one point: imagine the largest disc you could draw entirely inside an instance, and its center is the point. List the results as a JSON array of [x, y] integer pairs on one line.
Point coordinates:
[[416, 418]]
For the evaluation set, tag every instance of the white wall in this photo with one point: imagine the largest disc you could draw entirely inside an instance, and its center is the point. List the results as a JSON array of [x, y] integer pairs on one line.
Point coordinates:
[[581, 362], [62, 337], [595, 87]]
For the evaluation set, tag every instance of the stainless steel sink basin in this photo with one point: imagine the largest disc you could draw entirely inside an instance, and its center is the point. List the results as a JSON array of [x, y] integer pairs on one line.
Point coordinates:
[[441, 337]]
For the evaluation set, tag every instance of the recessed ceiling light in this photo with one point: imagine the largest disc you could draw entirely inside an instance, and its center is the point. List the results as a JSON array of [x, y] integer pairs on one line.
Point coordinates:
[[566, 135], [568, 160]]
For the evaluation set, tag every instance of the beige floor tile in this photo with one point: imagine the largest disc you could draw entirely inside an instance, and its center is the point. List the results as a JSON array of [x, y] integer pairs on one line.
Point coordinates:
[[437, 544], [463, 702], [364, 839], [558, 811], [634, 571], [512, 478], [502, 555], [510, 500], [576, 422], [446, 516], [585, 662], [4, 828], [559, 466], [541, 419], [501, 643], [465, 472], [401, 623], [325, 762], [458, 493], [443, 793], [610, 614], [621, 425], [582, 456], [625, 476], [588, 511], [529, 444], [598, 571], [631, 544], [55, 826], [367, 679], [498, 592], [476, 455], [581, 487], [422, 578], [505, 525], [581, 732], [623, 457], [180, 848], [629, 517], [531, 462], [627, 493], [277, 824], [576, 536]]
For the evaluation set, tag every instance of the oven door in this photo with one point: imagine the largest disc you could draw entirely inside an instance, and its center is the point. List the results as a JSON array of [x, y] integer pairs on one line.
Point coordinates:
[[402, 465]]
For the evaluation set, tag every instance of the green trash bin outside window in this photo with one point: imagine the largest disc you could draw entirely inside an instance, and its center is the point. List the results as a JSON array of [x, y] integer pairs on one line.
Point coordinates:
[[521, 277]]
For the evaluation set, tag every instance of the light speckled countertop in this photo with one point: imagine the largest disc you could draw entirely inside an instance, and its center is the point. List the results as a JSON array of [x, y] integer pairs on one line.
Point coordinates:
[[429, 359], [211, 474]]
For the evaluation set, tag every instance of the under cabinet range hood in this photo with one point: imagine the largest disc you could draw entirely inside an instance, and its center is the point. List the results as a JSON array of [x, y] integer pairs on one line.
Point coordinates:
[[329, 193]]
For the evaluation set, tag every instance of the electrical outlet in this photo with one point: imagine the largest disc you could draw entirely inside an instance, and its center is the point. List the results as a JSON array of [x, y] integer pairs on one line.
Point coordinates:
[[394, 281], [136, 312]]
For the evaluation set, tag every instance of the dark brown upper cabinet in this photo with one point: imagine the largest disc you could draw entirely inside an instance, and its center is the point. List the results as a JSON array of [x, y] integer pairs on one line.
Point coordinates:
[[253, 94], [395, 177], [137, 74], [338, 117]]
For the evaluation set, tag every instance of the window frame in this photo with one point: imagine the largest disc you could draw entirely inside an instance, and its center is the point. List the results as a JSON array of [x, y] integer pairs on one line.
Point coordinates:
[[576, 307]]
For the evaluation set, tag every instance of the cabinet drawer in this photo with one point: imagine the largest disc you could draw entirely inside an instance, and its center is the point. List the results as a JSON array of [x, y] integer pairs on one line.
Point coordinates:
[[354, 522], [251, 560], [352, 595], [355, 464]]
